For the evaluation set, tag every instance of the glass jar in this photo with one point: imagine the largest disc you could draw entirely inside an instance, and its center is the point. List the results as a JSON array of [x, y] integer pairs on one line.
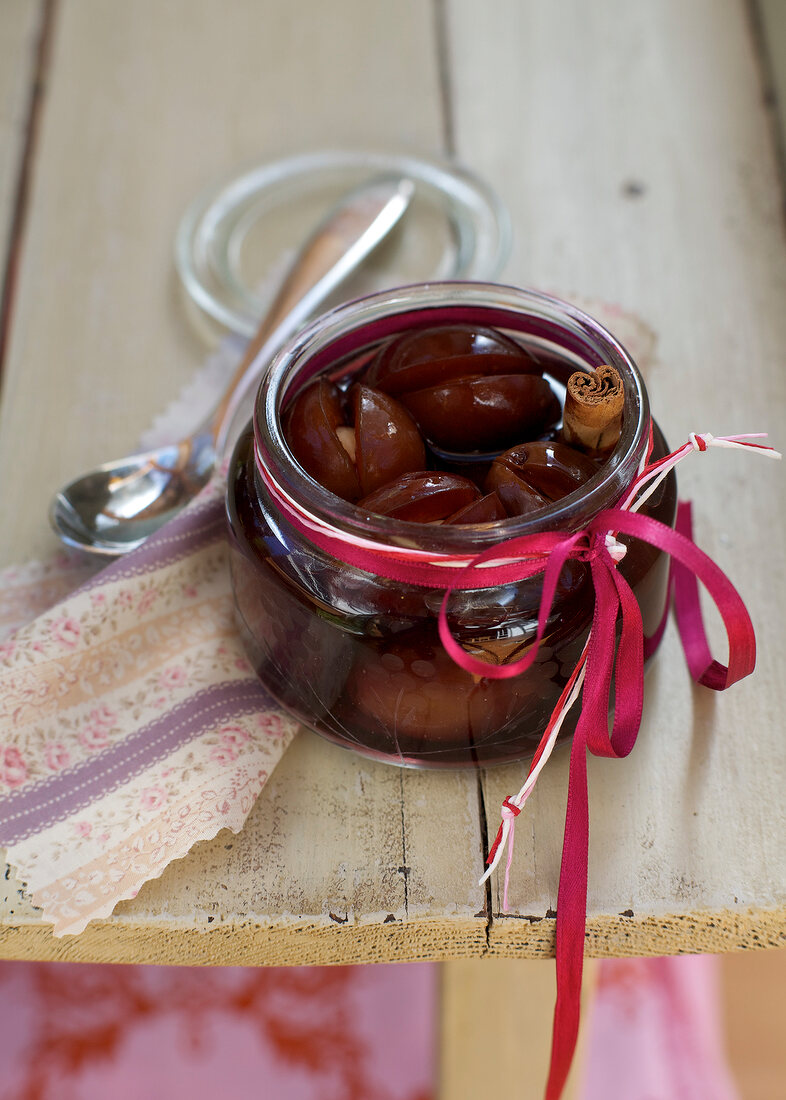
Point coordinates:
[[356, 656]]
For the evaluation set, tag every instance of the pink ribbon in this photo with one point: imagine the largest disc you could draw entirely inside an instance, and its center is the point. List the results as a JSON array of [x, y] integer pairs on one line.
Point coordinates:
[[689, 564], [608, 663], [548, 552], [609, 669]]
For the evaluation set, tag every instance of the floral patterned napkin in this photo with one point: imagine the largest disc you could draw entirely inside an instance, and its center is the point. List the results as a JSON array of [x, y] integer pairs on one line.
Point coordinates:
[[131, 723]]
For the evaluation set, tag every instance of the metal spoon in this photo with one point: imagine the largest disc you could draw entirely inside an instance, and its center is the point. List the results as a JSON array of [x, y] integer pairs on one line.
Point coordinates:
[[113, 509]]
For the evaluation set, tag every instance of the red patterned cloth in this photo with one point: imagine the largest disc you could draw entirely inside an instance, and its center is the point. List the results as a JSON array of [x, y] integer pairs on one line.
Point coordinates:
[[655, 1032], [85, 1032]]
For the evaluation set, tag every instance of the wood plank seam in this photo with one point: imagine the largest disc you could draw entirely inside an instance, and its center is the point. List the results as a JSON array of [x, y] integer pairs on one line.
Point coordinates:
[[774, 110], [484, 840], [404, 868], [441, 36], [20, 204]]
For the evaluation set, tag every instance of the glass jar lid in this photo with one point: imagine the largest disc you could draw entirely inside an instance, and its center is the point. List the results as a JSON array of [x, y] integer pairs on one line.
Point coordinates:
[[236, 240]]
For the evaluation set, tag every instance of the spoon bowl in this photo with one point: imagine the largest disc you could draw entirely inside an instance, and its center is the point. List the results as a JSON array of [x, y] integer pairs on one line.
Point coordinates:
[[114, 508]]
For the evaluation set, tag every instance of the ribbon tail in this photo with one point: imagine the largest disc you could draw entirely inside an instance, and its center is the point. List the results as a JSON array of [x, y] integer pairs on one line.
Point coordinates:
[[690, 622], [691, 565], [571, 921], [613, 597]]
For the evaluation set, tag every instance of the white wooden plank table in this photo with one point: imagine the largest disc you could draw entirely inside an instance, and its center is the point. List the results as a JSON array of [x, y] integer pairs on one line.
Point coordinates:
[[631, 144]]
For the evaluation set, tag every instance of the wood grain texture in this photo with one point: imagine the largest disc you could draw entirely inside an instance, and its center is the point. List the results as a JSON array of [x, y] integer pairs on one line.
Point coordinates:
[[632, 146], [770, 26]]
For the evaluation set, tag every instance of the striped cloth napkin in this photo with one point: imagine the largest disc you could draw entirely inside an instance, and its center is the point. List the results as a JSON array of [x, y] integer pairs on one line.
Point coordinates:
[[132, 725]]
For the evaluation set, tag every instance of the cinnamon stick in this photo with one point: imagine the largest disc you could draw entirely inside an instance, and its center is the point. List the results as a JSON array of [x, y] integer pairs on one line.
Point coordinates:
[[592, 419]]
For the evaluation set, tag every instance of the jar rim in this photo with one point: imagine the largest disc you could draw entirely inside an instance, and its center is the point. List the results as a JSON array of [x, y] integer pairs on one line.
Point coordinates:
[[514, 310]]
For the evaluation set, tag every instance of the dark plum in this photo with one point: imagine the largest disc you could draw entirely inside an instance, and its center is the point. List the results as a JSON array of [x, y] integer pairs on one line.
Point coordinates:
[[352, 455], [430, 356], [422, 497], [411, 689], [483, 413], [485, 510], [311, 430], [533, 475], [387, 441]]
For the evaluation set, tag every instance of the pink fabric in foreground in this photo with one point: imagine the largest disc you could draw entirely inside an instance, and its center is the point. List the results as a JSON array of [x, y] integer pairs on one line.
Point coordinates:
[[655, 1032], [87, 1032]]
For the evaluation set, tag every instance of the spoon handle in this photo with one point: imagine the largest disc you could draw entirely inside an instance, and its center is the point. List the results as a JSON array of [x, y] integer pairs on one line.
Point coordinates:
[[342, 240]]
